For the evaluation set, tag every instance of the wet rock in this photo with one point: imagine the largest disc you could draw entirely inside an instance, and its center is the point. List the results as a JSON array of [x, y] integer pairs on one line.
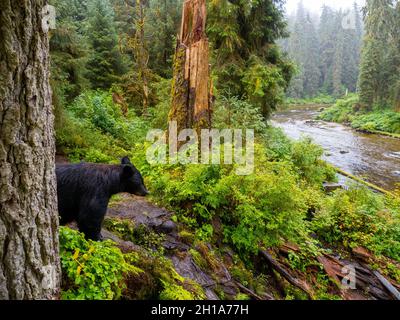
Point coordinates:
[[311, 122], [188, 269], [172, 243], [142, 212], [344, 152], [167, 227], [322, 110], [331, 187], [125, 246]]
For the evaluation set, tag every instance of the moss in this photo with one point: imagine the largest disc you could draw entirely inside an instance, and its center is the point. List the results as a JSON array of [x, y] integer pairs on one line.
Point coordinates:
[[160, 281], [115, 200], [179, 94], [198, 259], [242, 296], [140, 235], [186, 237]]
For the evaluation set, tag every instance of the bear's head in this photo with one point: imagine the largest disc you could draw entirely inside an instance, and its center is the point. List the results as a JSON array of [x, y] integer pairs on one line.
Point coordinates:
[[131, 179]]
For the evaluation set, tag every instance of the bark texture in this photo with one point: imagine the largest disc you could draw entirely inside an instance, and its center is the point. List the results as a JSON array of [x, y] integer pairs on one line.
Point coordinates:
[[29, 254], [192, 88]]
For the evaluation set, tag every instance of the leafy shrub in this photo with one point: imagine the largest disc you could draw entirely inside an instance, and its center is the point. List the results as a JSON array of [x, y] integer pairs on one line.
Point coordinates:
[[175, 292], [94, 129], [92, 270], [320, 99], [231, 112], [260, 209], [342, 111], [358, 217], [379, 119], [306, 158]]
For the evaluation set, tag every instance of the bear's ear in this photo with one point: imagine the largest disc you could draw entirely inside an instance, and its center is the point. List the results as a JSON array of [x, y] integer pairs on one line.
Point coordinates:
[[127, 171], [125, 160]]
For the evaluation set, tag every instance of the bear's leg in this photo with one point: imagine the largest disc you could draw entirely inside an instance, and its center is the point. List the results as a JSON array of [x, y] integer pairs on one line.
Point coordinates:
[[90, 219]]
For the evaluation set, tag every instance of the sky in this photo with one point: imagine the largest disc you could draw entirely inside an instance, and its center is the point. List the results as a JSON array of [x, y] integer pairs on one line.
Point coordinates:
[[315, 5]]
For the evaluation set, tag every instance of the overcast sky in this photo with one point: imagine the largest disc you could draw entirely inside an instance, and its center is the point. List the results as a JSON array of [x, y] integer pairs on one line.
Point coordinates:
[[315, 5]]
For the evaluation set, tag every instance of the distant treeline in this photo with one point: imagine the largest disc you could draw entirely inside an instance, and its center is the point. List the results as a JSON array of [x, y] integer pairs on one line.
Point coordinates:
[[379, 81], [356, 50], [326, 50]]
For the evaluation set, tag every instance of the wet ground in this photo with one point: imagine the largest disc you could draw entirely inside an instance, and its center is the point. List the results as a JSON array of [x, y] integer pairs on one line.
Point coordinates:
[[373, 157]]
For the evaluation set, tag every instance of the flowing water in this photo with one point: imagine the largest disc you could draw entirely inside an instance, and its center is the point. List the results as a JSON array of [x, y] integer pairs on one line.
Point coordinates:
[[373, 157]]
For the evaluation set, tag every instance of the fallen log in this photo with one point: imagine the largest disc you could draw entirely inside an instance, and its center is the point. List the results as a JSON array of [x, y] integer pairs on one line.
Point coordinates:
[[364, 278], [251, 293], [393, 291], [293, 281]]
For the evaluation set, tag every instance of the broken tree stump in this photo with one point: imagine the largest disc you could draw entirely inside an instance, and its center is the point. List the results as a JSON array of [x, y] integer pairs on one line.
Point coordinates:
[[191, 87]]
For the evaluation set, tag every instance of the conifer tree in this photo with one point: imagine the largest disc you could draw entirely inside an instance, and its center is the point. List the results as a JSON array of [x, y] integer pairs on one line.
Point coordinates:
[[374, 80], [247, 60], [106, 63], [68, 51]]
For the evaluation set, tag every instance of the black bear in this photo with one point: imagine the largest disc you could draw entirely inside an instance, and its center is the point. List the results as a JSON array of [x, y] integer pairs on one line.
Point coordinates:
[[85, 189]]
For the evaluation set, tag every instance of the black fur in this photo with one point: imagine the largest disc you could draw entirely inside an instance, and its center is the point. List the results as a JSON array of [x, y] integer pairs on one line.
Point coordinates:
[[85, 189]]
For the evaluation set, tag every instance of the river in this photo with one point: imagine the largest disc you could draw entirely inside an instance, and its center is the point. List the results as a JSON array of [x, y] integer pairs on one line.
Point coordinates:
[[374, 158]]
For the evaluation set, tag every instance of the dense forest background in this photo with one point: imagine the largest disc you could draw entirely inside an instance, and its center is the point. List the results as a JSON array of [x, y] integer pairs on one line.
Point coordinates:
[[326, 49], [128, 47], [346, 51]]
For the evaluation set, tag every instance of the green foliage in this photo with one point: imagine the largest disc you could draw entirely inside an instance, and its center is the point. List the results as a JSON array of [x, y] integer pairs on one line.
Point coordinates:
[[326, 54], [164, 282], [264, 85], [380, 62], [306, 158], [68, 52], [358, 217], [95, 130], [139, 235], [319, 99], [106, 63], [379, 118], [259, 209], [175, 292], [163, 21], [242, 296], [247, 61], [232, 112], [93, 270]]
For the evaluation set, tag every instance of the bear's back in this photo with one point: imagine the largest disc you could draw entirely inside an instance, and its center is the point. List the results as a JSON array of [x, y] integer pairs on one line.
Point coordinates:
[[83, 178]]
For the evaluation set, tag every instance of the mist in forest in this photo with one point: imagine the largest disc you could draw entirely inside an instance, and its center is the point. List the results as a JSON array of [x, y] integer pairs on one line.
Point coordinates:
[[315, 6]]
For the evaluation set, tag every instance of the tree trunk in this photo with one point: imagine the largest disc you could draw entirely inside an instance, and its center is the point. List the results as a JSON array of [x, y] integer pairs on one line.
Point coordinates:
[[192, 89], [29, 254], [142, 55]]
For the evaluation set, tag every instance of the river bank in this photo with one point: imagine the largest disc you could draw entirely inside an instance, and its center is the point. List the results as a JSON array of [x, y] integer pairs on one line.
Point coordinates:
[[382, 121]]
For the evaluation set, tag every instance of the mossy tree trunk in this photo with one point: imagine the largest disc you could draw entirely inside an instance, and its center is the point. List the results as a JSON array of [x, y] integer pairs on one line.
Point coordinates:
[[142, 55], [191, 90], [29, 254]]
